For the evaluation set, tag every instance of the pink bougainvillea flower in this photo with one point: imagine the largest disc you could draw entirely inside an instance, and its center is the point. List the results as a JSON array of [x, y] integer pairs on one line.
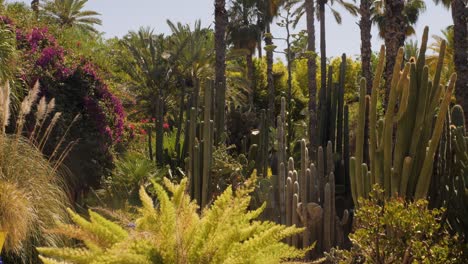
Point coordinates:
[[166, 126], [142, 131], [144, 121]]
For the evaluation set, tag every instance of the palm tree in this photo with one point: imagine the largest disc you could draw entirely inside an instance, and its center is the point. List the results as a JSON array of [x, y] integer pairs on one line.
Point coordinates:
[[221, 21], [69, 13], [244, 34], [150, 71], [308, 8], [311, 74], [395, 20], [460, 46], [269, 9], [449, 65], [195, 52], [365, 25]]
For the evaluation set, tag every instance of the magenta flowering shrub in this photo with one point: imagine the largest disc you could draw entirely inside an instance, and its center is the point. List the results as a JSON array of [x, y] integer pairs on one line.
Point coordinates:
[[78, 89]]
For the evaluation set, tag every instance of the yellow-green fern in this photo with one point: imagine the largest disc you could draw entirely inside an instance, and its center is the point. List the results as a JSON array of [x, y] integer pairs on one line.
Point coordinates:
[[173, 232]]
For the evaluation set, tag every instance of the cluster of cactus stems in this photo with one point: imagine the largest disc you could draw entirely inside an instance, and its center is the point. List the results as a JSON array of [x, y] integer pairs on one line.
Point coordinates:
[[310, 201], [200, 150], [403, 143], [307, 197], [449, 181]]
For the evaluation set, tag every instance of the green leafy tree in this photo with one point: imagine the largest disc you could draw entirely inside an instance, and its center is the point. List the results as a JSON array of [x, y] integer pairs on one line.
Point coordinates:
[[70, 13], [449, 64], [173, 232], [150, 73]]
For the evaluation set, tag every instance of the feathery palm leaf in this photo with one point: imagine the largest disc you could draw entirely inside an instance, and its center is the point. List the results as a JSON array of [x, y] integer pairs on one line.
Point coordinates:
[[70, 13]]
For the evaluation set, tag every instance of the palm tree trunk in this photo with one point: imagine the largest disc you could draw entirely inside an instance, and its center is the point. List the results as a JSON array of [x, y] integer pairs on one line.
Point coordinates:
[[150, 143], [311, 75], [460, 17], [251, 76], [159, 129], [323, 47], [221, 21], [365, 24], [271, 87], [395, 33]]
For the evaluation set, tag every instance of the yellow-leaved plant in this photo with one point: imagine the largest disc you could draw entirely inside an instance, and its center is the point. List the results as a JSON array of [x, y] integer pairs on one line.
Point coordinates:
[[173, 232]]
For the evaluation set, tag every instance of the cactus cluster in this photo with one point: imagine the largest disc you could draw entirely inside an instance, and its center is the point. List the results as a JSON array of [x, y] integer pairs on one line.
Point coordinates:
[[403, 143], [200, 151], [308, 196], [449, 185], [333, 128], [310, 201]]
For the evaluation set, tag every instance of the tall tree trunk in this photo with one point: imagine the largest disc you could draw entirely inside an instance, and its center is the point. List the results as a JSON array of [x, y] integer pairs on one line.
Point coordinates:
[[271, 87], [312, 75], [159, 129], [150, 142], [323, 47], [251, 76], [460, 20], [365, 24], [221, 21], [179, 124], [394, 35]]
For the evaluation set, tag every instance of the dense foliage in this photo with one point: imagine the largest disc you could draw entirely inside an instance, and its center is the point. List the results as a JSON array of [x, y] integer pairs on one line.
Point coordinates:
[[393, 230], [173, 232]]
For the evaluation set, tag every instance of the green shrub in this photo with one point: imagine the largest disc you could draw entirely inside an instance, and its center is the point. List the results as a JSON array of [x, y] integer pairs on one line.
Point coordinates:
[[173, 232], [396, 231]]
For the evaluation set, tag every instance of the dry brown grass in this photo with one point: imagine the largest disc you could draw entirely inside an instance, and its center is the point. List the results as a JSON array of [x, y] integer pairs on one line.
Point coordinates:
[[32, 197]]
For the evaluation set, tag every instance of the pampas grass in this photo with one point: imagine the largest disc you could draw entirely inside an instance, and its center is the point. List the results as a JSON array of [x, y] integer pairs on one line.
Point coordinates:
[[32, 196]]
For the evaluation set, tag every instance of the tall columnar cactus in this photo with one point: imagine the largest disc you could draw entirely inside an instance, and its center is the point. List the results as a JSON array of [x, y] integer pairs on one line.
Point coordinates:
[[449, 186], [310, 201], [200, 149], [403, 143]]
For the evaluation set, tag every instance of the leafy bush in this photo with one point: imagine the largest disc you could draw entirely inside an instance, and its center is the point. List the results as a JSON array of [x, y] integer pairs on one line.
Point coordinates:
[[395, 231], [78, 89], [173, 232], [121, 188]]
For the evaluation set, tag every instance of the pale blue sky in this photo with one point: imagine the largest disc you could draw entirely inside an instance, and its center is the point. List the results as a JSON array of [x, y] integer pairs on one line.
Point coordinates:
[[120, 16]]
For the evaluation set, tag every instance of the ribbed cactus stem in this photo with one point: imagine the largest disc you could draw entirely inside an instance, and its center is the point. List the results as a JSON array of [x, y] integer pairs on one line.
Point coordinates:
[[196, 171], [389, 115], [207, 145], [425, 175], [327, 220], [373, 112], [360, 138], [289, 202]]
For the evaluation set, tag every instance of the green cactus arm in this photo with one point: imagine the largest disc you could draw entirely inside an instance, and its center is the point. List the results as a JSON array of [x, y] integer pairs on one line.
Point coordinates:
[[405, 176], [360, 136], [373, 109], [397, 78], [422, 186]]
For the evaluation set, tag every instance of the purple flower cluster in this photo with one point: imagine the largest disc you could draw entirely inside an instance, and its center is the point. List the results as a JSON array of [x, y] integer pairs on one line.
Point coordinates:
[[108, 103], [40, 38], [45, 61], [50, 55]]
